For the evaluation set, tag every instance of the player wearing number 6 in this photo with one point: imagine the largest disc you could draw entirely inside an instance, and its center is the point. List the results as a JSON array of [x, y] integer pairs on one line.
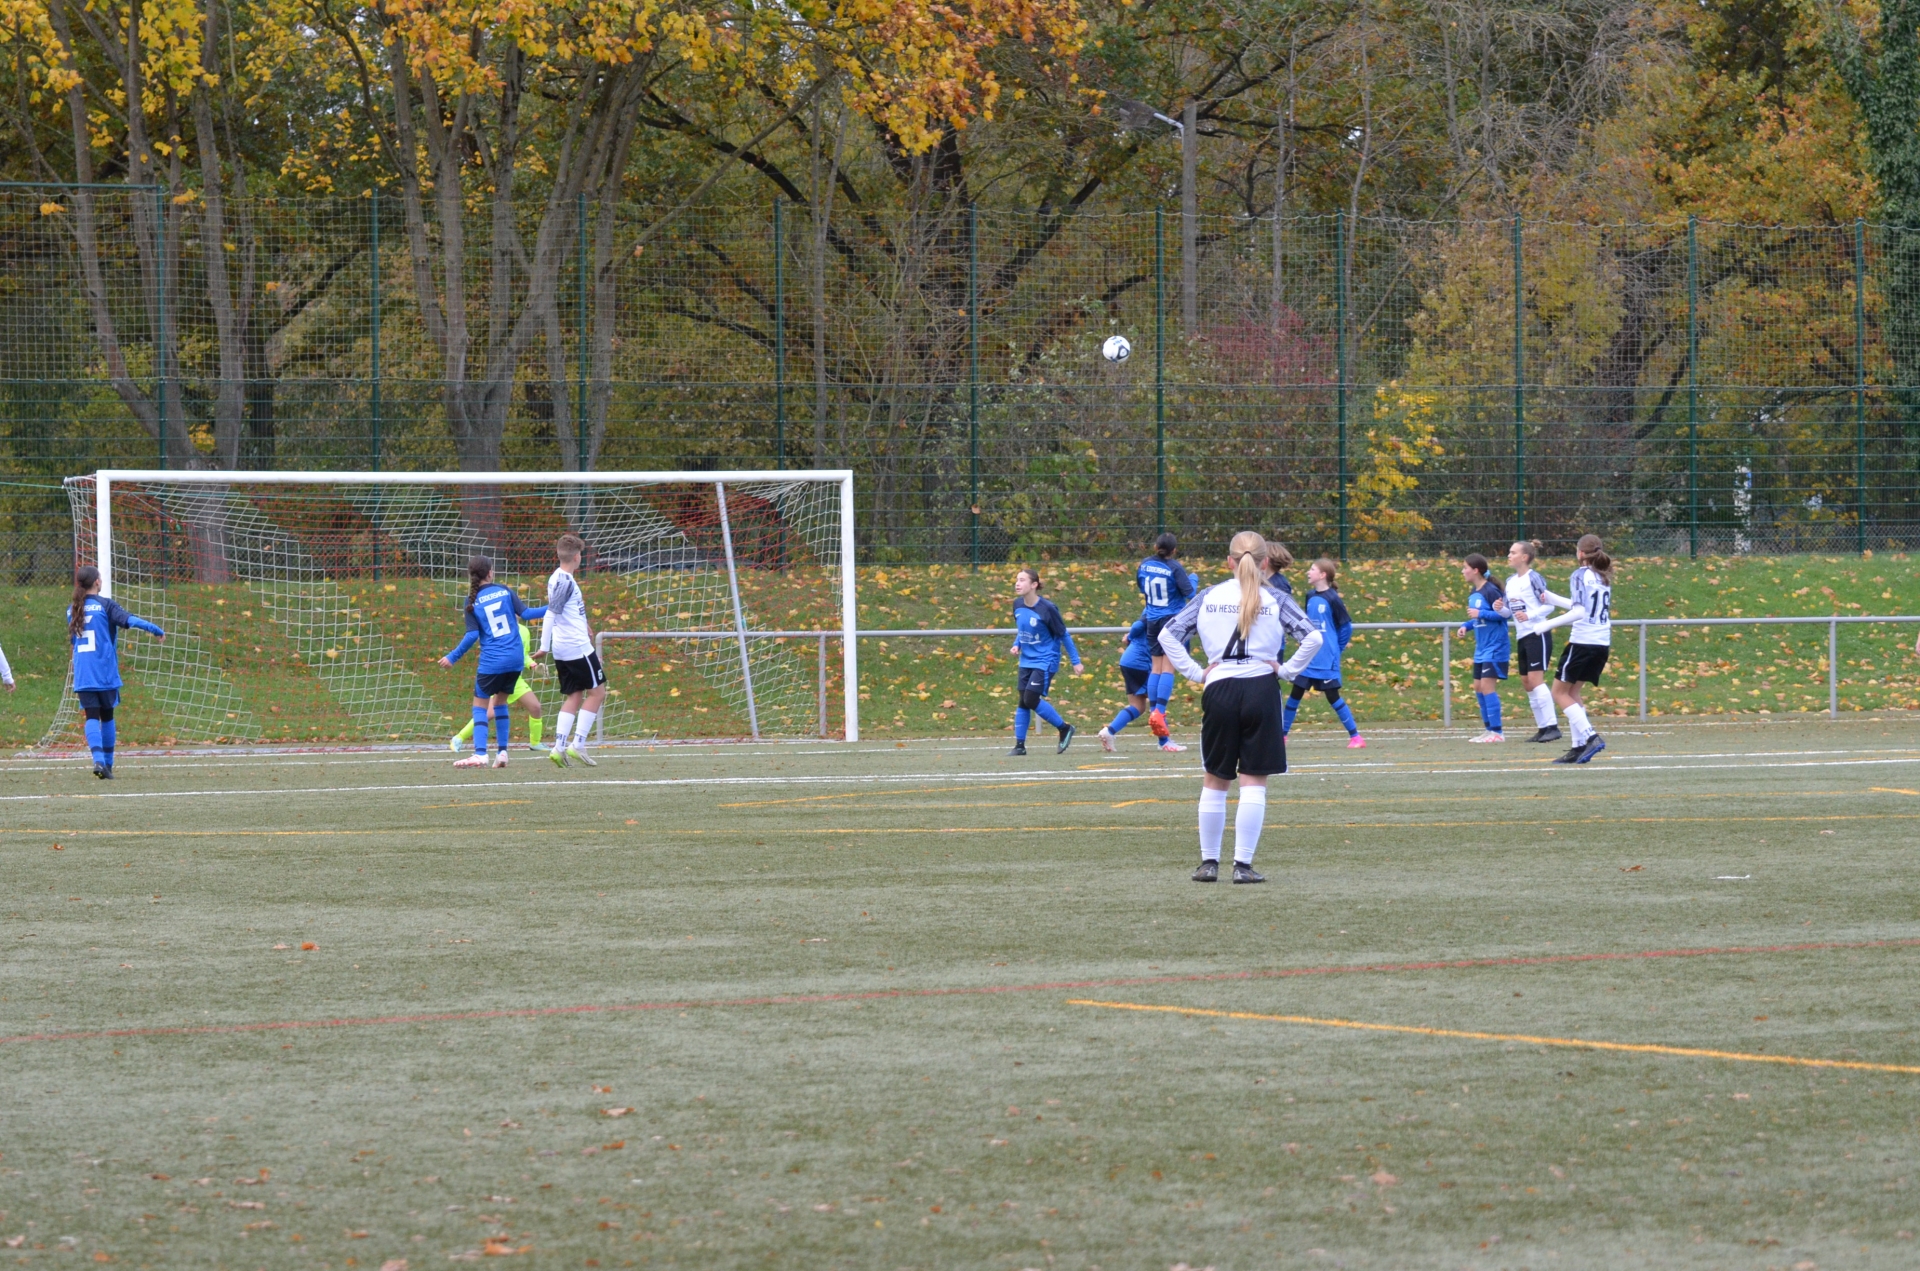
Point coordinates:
[[494, 614], [94, 624]]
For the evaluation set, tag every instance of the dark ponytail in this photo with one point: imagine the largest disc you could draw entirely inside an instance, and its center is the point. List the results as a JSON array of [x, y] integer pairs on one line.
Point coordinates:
[[83, 580], [1166, 547], [479, 569], [1594, 556]]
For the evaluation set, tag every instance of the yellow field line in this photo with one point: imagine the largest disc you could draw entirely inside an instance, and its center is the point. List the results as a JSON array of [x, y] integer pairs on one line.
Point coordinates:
[[1637, 1048], [1891, 790]]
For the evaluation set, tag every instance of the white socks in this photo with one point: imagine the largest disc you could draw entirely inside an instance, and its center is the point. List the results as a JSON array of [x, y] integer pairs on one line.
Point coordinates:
[[1213, 822], [1247, 822], [584, 729], [563, 730], [1577, 717], [1540, 697]]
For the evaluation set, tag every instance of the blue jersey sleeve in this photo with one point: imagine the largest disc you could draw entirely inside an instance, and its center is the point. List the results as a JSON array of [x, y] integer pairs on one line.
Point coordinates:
[[1342, 621], [533, 615], [467, 641], [1184, 585]]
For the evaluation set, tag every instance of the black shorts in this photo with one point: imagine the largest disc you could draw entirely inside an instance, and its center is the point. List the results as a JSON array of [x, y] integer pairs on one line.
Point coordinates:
[[1135, 680], [1240, 727], [1034, 679], [97, 699], [577, 675], [1153, 632], [499, 684], [1582, 663], [1536, 652], [1491, 670], [1305, 684]]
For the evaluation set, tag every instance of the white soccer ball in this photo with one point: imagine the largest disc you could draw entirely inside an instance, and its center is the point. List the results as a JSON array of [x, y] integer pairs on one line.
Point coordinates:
[[1117, 348]]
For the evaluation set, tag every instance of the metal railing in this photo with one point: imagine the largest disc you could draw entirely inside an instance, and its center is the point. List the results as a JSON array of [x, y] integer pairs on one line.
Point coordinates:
[[1447, 629]]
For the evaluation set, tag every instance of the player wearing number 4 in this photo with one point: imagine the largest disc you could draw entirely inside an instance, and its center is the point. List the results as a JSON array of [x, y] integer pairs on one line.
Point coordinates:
[[1587, 645], [94, 624], [567, 636], [494, 614]]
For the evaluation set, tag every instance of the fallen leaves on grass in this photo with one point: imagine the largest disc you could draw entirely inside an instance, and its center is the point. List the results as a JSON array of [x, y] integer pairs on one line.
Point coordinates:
[[57, 848], [615, 1112], [394, 1264], [246, 1204], [1631, 869], [278, 947], [603, 1089], [1383, 1179], [307, 946]]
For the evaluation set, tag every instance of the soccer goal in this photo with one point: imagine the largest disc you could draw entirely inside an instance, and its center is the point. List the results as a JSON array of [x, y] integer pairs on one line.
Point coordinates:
[[310, 607]]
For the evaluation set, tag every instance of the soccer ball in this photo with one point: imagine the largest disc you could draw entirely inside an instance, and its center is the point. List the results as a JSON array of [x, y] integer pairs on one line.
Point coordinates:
[[1117, 348]]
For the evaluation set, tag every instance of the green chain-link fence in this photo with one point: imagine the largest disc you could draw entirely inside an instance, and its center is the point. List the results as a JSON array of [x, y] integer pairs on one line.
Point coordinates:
[[1358, 387]]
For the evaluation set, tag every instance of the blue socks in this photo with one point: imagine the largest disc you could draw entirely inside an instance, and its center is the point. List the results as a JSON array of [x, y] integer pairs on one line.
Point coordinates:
[[1045, 711], [502, 726], [1287, 711], [1126, 716], [107, 735], [480, 731], [1159, 690], [1021, 718], [1490, 711], [96, 743], [1345, 712]]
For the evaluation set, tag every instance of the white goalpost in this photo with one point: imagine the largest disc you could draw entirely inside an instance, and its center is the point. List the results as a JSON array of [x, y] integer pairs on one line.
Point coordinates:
[[307, 607]]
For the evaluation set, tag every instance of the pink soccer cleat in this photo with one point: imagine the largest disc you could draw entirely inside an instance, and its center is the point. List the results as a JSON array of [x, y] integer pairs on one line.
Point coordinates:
[[1356, 742], [471, 761]]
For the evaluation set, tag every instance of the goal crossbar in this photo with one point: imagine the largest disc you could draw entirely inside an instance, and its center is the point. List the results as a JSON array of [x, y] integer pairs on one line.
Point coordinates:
[[106, 478]]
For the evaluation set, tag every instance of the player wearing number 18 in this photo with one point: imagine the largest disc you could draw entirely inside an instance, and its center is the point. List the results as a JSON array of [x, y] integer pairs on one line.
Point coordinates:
[[94, 624], [494, 614], [1589, 643]]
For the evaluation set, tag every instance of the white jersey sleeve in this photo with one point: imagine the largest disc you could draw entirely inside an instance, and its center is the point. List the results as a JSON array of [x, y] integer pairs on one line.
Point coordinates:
[[566, 632], [1214, 615], [6, 672], [1593, 607], [1527, 593]]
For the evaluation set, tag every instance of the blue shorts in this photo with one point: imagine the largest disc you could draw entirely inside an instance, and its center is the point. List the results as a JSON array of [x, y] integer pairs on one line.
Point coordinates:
[[1491, 670], [1135, 678], [95, 699], [496, 684]]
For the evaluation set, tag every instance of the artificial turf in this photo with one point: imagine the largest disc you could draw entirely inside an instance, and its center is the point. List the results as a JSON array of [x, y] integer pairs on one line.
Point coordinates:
[[501, 963]]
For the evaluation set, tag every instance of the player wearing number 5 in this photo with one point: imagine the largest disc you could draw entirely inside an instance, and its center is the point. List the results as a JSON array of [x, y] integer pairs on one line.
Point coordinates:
[[494, 614], [94, 624]]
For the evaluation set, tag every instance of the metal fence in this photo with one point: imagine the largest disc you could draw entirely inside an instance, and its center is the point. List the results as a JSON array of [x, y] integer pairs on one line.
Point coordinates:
[[1354, 387]]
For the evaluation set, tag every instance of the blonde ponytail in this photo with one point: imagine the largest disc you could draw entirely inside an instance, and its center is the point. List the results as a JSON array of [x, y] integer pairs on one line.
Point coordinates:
[[1247, 551]]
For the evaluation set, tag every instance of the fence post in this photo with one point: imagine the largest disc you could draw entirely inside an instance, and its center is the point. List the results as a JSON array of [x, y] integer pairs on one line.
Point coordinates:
[[160, 314], [580, 272], [1340, 361], [373, 333], [1446, 677], [1860, 385], [1833, 669], [1159, 370], [1643, 670], [1693, 392], [779, 335], [1519, 388], [973, 382], [823, 684]]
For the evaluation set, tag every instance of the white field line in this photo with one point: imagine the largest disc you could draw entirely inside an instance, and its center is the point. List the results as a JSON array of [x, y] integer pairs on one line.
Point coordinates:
[[944, 778]]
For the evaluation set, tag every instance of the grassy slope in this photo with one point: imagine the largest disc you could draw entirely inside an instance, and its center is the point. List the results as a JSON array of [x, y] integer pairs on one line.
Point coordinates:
[[922, 687]]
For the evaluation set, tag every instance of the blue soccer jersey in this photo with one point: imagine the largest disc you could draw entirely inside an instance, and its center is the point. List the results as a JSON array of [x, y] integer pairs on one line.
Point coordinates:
[[96, 650], [1041, 634], [1328, 612], [493, 622], [1165, 586], [1490, 640], [1138, 655]]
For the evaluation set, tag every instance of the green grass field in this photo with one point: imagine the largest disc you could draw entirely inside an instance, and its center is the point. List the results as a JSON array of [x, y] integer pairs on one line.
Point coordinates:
[[824, 1006]]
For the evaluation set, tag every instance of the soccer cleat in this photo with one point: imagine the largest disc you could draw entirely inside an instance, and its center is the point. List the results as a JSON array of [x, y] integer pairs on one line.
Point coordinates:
[[453, 743], [1157, 722], [1019, 750], [1245, 874], [1209, 872], [558, 755], [100, 771], [1550, 733], [1066, 739], [1572, 755], [1487, 737], [1356, 742], [1106, 742], [574, 752], [500, 760], [471, 761], [1171, 748], [106, 774], [1595, 744]]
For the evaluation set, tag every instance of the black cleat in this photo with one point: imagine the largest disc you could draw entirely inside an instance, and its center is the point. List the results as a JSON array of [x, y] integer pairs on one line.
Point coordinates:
[[1572, 755], [1245, 874], [1595, 744], [106, 773], [1066, 739], [1209, 872], [1550, 733], [1019, 749], [100, 771]]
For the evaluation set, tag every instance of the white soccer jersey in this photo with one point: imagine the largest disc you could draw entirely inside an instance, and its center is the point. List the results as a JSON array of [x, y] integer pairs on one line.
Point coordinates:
[[1215, 615], [565, 631], [1593, 601], [1527, 593]]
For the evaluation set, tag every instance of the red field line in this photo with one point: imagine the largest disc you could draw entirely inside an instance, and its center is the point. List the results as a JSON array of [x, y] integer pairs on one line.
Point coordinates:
[[805, 999]]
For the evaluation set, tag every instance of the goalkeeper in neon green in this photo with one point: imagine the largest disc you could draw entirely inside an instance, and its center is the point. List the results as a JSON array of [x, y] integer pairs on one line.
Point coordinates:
[[522, 697]]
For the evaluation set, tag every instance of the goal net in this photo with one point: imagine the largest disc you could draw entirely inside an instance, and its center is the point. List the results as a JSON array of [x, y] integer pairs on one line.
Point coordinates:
[[310, 607]]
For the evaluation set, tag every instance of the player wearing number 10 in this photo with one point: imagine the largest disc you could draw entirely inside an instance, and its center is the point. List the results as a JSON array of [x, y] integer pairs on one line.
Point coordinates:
[[1166, 587], [94, 624], [494, 614]]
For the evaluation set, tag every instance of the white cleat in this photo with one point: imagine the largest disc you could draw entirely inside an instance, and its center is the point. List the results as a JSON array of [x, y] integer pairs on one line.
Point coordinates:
[[500, 760], [1106, 742], [1487, 738], [471, 761], [574, 752], [1171, 748]]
